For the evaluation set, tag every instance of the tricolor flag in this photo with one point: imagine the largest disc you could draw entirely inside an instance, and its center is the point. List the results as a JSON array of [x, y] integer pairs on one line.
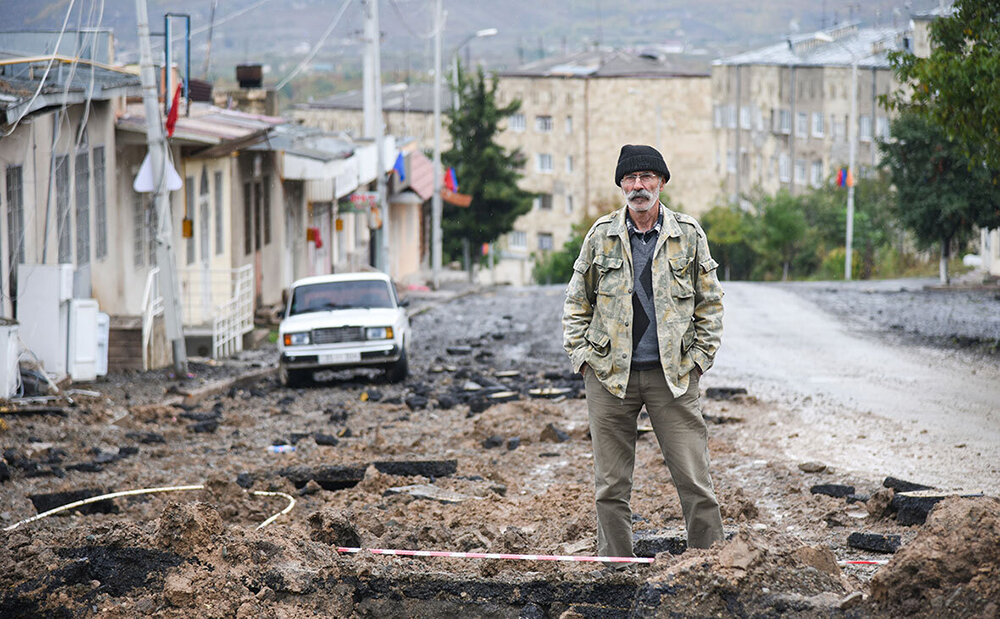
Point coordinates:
[[450, 180], [845, 178], [172, 114]]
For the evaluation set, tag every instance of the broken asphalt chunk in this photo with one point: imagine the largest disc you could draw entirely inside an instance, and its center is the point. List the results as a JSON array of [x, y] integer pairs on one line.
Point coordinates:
[[874, 542], [812, 467], [416, 402], [913, 507], [325, 439], [204, 427], [459, 350], [651, 543], [51, 500], [900, 485], [835, 490], [146, 437], [494, 441], [329, 477], [724, 393], [426, 468], [553, 434]]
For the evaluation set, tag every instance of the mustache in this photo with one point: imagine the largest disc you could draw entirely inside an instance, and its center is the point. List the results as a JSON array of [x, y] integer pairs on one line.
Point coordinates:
[[640, 193]]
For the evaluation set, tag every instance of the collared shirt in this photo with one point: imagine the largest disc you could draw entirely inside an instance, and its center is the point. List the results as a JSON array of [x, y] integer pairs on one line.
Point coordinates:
[[649, 235]]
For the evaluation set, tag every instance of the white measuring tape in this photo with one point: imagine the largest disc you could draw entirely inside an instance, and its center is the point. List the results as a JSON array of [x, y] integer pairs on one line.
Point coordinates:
[[494, 555]]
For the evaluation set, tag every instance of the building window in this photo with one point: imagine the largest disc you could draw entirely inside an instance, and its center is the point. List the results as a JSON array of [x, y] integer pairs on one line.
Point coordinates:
[[516, 122], [882, 127], [517, 239], [745, 116], [15, 218], [817, 125], [265, 196], [62, 209], [545, 241], [784, 122], [802, 125], [100, 204], [569, 163], [544, 162], [204, 217], [731, 161], [219, 228], [865, 128], [839, 130], [717, 116], [247, 218], [731, 116], [800, 171], [816, 173], [139, 229], [543, 124], [189, 207], [784, 168], [569, 125], [543, 202], [569, 204], [83, 208], [758, 119]]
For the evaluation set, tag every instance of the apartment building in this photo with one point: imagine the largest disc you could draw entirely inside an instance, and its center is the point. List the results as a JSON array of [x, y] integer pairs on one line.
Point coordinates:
[[781, 114], [576, 113]]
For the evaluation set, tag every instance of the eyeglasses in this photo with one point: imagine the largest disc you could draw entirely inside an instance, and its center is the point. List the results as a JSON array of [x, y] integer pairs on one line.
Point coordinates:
[[646, 178]]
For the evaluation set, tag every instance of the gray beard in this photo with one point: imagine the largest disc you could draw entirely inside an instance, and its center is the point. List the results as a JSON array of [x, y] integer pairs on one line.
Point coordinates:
[[641, 193]]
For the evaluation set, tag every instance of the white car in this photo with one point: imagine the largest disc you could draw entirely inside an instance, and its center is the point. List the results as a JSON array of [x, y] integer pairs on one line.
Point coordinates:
[[342, 321]]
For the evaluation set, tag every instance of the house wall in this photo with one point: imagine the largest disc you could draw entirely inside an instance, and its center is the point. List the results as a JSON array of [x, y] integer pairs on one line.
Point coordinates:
[[85, 220], [253, 218]]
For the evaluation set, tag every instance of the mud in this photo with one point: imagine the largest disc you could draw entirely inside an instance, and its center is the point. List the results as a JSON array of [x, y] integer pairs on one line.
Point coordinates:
[[380, 484]]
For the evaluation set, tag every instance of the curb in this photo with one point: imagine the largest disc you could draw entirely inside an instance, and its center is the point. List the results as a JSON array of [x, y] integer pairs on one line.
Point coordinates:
[[194, 396]]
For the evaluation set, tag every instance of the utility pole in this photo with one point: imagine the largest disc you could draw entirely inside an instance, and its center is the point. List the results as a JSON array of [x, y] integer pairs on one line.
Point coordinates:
[[169, 287], [375, 127], [436, 205]]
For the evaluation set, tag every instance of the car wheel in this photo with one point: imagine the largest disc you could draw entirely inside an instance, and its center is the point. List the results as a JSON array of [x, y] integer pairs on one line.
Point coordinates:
[[397, 371], [292, 378]]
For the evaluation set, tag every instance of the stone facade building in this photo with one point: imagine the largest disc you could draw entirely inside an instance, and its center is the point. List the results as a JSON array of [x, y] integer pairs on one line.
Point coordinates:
[[781, 114]]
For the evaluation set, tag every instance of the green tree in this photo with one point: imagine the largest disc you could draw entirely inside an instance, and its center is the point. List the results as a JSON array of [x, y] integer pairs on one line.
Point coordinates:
[[940, 193], [484, 168], [556, 267], [957, 86], [782, 232], [729, 231]]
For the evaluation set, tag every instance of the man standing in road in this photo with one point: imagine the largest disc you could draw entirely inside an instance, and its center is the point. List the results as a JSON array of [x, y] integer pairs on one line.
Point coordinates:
[[642, 321]]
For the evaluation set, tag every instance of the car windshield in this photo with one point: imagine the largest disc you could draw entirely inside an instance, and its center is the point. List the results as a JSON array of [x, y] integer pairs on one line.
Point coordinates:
[[340, 295]]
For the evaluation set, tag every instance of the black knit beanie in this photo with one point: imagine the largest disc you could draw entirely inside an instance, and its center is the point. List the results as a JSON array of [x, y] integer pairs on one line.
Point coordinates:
[[640, 158]]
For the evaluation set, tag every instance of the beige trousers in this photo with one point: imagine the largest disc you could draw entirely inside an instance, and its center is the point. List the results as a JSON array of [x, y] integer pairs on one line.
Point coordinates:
[[683, 438]]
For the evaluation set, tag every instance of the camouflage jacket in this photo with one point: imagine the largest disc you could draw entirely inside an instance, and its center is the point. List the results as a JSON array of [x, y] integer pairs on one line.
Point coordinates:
[[687, 298]]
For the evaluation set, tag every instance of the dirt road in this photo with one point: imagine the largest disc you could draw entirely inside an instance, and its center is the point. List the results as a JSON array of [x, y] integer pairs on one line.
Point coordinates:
[[486, 449], [863, 402]]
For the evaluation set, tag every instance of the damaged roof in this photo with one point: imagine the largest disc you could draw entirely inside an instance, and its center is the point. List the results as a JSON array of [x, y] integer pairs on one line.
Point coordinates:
[[615, 63], [66, 81], [869, 46]]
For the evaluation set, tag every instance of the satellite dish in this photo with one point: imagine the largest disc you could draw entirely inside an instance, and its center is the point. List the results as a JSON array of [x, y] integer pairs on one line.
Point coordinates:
[[143, 182]]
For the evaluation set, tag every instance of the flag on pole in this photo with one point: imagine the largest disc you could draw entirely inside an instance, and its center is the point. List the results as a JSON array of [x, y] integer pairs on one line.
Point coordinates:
[[172, 115], [840, 177], [845, 178], [849, 178], [400, 167], [450, 180]]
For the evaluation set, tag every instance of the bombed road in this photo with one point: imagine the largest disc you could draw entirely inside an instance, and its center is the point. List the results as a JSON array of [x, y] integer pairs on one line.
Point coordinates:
[[846, 458]]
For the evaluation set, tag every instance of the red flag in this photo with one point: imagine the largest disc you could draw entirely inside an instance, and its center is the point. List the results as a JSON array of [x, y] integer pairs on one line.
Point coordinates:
[[172, 116]]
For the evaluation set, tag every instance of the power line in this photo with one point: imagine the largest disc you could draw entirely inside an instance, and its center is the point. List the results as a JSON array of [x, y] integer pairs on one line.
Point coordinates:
[[41, 82], [315, 49]]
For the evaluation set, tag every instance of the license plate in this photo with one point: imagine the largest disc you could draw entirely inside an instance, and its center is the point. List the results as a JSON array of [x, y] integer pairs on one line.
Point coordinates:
[[340, 357]]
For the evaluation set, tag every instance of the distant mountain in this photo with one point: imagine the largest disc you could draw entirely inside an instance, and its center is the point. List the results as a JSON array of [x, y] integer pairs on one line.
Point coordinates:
[[279, 33]]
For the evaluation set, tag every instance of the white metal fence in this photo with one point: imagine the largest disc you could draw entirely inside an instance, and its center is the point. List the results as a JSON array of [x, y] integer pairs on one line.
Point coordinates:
[[221, 299], [152, 306]]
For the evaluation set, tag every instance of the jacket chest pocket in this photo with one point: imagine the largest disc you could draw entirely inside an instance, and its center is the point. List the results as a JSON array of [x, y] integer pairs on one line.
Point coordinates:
[[611, 275], [680, 280]]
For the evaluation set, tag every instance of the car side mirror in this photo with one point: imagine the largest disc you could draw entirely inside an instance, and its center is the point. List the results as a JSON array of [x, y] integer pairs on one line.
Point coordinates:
[[404, 303], [280, 314]]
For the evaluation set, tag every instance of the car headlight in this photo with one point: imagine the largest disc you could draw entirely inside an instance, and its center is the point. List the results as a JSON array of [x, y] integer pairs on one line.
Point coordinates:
[[378, 333], [297, 339]]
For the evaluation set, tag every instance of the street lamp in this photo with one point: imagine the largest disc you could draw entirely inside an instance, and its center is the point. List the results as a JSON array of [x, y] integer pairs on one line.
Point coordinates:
[[436, 206], [852, 133]]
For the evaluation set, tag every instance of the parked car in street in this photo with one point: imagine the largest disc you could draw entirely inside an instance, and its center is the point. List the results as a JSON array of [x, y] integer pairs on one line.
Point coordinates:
[[342, 321]]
